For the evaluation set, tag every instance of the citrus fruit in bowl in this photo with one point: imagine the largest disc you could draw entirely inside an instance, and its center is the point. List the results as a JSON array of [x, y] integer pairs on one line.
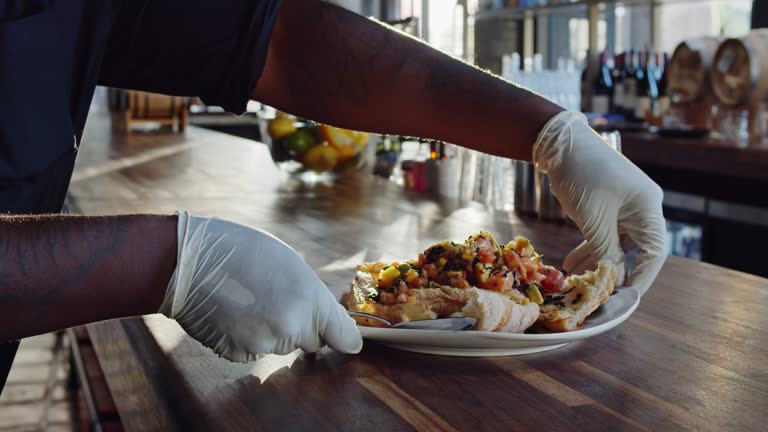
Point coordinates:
[[301, 146]]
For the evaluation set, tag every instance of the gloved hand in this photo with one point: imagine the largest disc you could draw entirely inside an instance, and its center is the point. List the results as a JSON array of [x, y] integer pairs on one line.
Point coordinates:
[[606, 195], [243, 292]]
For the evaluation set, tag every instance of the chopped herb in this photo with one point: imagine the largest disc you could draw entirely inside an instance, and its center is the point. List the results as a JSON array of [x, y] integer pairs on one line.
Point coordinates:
[[435, 252], [452, 266], [374, 297], [554, 300]]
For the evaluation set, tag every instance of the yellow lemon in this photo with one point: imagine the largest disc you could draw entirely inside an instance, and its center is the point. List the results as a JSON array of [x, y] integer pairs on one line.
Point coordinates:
[[336, 137], [361, 138], [321, 158], [346, 152], [345, 141], [281, 127]]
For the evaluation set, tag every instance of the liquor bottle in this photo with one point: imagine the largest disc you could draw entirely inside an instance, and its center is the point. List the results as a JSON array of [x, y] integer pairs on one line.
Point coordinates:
[[585, 86], [630, 84], [381, 146], [602, 88], [433, 150], [618, 75], [661, 78], [647, 90]]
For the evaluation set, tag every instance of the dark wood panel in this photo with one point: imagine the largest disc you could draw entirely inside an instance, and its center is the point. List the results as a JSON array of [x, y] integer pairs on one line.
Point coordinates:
[[707, 155], [691, 358]]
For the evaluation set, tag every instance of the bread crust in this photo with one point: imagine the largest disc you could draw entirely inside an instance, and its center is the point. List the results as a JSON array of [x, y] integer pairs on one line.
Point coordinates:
[[584, 294], [498, 313]]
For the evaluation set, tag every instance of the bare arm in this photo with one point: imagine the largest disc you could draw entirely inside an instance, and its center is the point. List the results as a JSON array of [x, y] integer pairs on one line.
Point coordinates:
[[336, 67], [61, 271]]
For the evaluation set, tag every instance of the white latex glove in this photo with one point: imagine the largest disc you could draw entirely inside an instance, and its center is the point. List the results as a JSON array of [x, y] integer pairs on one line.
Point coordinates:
[[606, 195], [243, 293]]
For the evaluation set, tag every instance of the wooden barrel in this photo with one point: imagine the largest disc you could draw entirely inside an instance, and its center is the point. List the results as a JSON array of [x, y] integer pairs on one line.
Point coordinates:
[[146, 106], [740, 72], [689, 69]]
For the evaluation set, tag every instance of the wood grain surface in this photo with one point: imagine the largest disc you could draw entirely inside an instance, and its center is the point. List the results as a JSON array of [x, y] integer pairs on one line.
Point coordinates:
[[692, 357]]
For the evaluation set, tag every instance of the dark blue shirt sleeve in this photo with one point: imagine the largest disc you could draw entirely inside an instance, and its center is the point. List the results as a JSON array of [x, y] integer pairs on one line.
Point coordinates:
[[215, 50]]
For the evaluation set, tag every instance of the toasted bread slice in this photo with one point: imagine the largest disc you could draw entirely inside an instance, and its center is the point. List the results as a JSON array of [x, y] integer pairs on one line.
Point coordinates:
[[583, 295], [492, 310], [497, 312]]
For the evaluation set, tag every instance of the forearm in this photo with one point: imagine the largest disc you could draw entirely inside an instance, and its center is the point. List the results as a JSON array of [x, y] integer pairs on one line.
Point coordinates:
[[61, 271], [333, 66]]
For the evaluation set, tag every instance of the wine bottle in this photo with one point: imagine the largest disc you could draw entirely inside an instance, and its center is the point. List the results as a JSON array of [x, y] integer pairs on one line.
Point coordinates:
[[602, 88], [647, 90], [433, 150], [585, 86], [630, 85], [618, 76], [661, 77]]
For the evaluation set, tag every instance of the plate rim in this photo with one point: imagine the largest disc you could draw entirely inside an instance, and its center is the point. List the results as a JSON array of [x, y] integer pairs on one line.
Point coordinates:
[[473, 352], [573, 335]]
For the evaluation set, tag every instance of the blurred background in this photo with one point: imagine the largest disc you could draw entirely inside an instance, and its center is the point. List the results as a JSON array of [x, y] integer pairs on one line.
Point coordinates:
[[678, 86]]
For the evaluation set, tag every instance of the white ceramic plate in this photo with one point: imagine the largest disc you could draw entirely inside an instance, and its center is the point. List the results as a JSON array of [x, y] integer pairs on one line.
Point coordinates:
[[487, 344]]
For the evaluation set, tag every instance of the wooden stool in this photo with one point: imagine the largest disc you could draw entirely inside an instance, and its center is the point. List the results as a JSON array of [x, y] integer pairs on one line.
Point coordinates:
[[130, 106]]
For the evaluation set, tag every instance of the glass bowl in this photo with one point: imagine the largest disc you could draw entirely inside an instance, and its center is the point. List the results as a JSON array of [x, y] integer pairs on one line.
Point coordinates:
[[300, 147]]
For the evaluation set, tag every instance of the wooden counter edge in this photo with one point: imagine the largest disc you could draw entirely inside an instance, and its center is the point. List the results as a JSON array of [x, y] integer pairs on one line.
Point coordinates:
[[148, 390]]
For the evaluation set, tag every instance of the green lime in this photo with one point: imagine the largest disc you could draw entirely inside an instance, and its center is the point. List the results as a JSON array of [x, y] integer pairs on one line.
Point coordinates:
[[300, 141]]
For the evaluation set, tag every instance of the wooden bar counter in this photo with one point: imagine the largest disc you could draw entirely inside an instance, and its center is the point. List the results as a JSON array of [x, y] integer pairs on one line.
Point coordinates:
[[692, 357], [705, 155], [708, 167]]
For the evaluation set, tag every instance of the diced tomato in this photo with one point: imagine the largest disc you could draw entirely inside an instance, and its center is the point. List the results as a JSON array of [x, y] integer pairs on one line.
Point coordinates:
[[500, 280], [431, 270], [553, 279], [512, 260], [527, 269], [459, 280], [530, 267], [419, 282], [484, 249]]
